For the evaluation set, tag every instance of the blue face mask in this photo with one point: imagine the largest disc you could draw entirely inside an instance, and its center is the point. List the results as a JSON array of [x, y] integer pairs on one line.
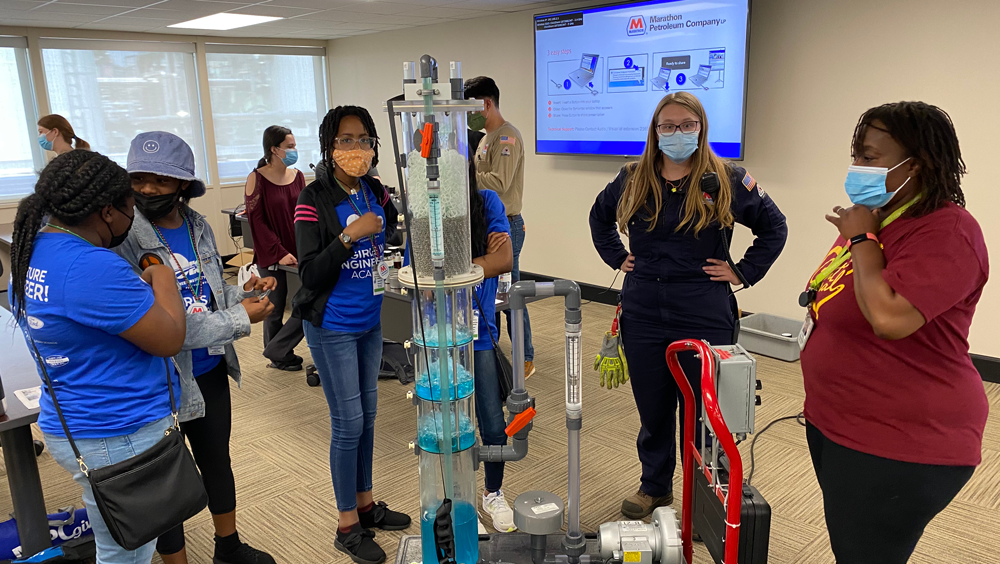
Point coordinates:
[[680, 146], [291, 157], [43, 142], [865, 185]]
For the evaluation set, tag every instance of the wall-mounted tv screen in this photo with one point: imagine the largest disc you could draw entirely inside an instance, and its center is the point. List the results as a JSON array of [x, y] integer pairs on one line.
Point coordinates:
[[599, 73]]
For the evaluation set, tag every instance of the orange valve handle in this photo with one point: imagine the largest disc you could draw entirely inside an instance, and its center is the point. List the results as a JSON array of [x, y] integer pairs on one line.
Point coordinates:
[[520, 420], [428, 140]]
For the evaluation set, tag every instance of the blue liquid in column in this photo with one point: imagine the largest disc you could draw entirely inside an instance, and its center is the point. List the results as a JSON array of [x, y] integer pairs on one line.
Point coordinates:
[[466, 534]]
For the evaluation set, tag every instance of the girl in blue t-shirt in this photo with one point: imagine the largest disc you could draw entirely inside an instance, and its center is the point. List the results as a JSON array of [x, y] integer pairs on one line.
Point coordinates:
[[98, 326], [342, 220], [492, 250], [168, 231]]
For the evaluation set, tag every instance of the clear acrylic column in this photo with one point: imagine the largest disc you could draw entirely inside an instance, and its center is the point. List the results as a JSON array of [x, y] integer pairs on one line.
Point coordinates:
[[442, 280]]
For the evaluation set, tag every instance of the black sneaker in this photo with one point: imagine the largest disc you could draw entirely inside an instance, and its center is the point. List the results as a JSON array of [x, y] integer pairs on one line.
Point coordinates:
[[286, 366], [381, 517], [244, 554], [360, 545]]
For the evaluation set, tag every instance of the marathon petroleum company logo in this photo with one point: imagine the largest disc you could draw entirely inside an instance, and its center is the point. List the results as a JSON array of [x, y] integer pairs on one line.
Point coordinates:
[[636, 26]]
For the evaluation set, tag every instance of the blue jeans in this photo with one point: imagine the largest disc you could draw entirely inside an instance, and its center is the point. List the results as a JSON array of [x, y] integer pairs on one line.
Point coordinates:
[[105, 452], [348, 365], [489, 413], [517, 241]]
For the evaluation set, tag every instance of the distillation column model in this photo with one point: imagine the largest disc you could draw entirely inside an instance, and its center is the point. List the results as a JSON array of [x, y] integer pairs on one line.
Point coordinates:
[[442, 279], [432, 164]]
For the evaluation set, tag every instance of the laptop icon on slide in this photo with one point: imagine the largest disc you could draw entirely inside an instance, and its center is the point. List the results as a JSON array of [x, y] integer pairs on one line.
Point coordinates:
[[583, 75], [662, 80], [702, 76]]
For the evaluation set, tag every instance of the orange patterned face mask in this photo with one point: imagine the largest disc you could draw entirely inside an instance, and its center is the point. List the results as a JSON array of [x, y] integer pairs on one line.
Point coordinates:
[[356, 162]]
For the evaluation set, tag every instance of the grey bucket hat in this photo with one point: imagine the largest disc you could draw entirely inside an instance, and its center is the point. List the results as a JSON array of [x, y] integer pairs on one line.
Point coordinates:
[[165, 154]]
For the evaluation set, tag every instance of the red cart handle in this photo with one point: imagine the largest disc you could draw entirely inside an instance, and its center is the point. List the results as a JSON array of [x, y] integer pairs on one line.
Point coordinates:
[[733, 498]]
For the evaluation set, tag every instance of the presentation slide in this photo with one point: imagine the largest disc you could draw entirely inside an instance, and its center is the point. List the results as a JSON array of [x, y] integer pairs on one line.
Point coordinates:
[[599, 73]]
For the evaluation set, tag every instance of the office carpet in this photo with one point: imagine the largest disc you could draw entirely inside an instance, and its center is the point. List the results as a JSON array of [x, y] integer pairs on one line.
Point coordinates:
[[280, 451]]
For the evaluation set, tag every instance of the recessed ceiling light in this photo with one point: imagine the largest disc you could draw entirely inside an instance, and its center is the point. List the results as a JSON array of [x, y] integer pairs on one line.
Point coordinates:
[[224, 21]]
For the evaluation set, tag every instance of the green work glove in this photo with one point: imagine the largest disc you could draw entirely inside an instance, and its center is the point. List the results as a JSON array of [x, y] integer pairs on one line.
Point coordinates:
[[610, 362], [621, 355]]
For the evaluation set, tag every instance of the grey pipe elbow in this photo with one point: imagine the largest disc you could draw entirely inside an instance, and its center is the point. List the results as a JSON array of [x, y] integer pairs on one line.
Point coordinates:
[[519, 291], [571, 290], [516, 450]]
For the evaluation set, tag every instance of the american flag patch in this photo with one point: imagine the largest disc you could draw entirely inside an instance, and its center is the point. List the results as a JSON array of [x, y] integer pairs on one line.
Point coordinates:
[[508, 140], [749, 182]]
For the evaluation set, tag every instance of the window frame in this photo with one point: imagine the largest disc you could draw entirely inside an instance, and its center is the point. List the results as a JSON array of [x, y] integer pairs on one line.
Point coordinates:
[[194, 89], [29, 101], [322, 86]]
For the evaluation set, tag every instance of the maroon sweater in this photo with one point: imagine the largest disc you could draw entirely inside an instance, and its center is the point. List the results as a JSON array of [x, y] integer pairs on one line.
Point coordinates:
[[270, 210]]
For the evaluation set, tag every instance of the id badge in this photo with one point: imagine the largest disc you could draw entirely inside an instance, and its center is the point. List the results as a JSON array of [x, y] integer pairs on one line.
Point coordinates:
[[475, 324], [217, 351], [378, 282], [806, 331]]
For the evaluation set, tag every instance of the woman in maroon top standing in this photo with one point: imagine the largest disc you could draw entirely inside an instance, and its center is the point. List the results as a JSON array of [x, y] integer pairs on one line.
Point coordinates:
[[894, 406], [271, 192]]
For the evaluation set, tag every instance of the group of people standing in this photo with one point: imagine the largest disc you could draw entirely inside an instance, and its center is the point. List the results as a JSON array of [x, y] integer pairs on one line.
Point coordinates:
[[895, 410], [894, 407]]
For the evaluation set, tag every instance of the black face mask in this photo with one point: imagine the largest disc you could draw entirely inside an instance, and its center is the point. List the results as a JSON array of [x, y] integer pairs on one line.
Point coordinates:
[[119, 239], [156, 207]]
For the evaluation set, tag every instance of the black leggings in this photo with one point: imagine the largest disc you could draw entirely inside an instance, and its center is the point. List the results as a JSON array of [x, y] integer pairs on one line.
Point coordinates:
[[209, 439], [876, 508]]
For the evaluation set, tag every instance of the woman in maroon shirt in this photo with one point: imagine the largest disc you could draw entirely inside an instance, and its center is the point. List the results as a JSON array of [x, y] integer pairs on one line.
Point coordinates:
[[271, 192], [895, 408]]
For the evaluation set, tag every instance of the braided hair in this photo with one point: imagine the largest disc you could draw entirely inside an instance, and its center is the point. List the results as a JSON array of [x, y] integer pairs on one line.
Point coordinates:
[[74, 186], [331, 125], [477, 215], [928, 135]]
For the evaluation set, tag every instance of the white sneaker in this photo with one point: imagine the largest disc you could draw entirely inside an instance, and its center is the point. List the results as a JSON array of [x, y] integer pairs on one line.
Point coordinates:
[[502, 514], [482, 529]]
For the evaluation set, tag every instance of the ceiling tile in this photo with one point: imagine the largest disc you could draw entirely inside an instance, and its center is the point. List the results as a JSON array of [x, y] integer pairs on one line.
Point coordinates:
[[448, 13], [9, 7], [273, 11], [503, 5], [89, 12]]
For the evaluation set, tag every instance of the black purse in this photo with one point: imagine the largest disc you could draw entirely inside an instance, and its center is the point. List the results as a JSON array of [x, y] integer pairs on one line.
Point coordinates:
[[149, 494]]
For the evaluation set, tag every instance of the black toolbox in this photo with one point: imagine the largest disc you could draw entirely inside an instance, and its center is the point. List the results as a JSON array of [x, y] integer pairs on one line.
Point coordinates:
[[709, 522]]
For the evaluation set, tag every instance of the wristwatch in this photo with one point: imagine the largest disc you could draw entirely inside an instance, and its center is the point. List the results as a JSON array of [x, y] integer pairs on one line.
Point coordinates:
[[345, 238]]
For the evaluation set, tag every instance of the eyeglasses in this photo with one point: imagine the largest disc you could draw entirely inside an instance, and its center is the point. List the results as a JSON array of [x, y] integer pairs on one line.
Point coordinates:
[[670, 129], [347, 143]]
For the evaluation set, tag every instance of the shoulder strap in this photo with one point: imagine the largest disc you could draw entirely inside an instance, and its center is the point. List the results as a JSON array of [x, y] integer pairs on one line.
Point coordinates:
[[62, 419]]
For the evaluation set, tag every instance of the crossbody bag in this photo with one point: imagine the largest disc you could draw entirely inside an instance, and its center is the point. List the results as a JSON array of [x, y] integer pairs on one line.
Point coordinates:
[[149, 494]]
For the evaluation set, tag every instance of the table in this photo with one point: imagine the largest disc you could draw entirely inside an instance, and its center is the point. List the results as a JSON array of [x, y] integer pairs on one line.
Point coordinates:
[[18, 373]]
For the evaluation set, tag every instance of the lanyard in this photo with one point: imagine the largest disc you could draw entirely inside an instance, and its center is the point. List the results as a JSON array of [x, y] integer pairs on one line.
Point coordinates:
[[70, 232], [354, 207], [194, 246], [845, 254]]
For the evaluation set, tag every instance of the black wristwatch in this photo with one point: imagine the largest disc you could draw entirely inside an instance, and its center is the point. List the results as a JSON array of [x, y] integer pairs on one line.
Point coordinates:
[[345, 238]]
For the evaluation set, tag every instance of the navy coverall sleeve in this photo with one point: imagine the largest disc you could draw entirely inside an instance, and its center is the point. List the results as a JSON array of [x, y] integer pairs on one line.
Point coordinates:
[[753, 208], [603, 224]]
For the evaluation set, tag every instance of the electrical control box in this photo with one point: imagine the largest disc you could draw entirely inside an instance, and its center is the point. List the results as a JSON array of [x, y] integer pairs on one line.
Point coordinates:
[[736, 386]]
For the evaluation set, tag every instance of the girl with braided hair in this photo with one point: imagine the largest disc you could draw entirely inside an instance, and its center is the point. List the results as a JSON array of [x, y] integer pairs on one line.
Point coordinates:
[[342, 220], [100, 328], [895, 409]]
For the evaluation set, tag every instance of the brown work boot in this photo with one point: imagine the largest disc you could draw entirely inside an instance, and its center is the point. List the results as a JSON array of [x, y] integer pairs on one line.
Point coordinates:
[[529, 369], [640, 504]]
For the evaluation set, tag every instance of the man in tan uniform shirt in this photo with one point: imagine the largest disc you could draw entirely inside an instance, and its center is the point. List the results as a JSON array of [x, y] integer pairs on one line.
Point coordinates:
[[500, 167]]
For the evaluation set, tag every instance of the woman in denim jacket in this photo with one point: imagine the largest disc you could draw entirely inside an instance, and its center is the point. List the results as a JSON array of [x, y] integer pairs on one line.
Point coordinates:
[[167, 231]]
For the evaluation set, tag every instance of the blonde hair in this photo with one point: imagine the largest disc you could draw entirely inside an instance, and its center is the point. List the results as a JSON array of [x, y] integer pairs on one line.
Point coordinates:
[[56, 121], [643, 177]]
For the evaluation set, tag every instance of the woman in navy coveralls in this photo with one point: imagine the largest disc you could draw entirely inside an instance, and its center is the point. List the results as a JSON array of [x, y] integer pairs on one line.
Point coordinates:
[[677, 282]]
